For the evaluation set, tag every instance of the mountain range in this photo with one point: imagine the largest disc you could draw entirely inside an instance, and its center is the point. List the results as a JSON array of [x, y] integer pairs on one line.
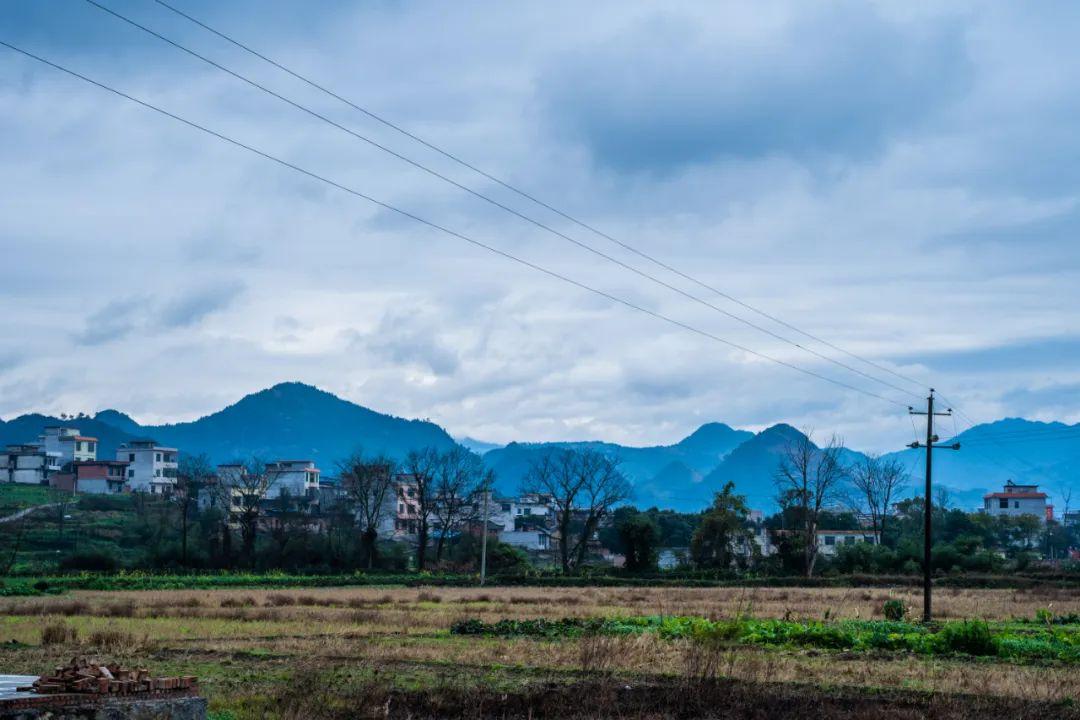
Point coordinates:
[[297, 421]]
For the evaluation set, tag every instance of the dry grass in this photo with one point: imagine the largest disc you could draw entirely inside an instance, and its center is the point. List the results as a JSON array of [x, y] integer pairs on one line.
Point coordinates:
[[252, 632]]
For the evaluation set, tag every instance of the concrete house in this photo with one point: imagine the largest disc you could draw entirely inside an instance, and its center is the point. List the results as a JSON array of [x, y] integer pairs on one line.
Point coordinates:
[[69, 444], [829, 541], [28, 463], [95, 477], [1015, 500], [151, 467], [298, 478]]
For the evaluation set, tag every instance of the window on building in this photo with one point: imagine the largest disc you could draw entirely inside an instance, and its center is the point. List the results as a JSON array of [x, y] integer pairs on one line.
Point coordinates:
[[131, 473], [505, 507], [1003, 504], [1016, 504], [830, 540], [91, 447], [528, 511], [849, 540], [157, 472], [157, 457], [131, 457]]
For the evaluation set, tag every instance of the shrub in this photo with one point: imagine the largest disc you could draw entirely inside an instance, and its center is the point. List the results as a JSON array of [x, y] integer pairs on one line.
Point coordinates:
[[894, 610], [971, 637], [111, 640], [89, 561], [58, 633]]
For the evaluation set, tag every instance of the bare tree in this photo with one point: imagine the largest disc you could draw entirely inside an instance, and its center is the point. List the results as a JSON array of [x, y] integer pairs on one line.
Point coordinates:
[[192, 479], [422, 467], [369, 485], [878, 481], [584, 485], [459, 475], [247, 485], [1066, 493], [808, 477]]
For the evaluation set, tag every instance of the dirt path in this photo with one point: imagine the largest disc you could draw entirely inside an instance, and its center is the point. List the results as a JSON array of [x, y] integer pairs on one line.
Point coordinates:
[[26, 511]]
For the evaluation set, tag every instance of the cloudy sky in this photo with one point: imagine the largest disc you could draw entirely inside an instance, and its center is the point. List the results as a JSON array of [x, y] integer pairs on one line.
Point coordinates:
[[900, 181]]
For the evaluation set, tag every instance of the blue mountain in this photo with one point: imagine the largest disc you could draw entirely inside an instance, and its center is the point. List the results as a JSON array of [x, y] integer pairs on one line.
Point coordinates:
[[663, 475]]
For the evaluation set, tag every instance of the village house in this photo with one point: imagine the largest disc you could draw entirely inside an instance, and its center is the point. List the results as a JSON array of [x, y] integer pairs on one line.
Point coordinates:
[[151, 467], [68, 444], [95, 477], [829, 541], [28, 463], [1015, 500]]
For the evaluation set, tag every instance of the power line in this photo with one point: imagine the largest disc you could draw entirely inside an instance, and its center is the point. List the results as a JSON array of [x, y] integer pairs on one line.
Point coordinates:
[[528, 196], [452, 233], [489, 199]]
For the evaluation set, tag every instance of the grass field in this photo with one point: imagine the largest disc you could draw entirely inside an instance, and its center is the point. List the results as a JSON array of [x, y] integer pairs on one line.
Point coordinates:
[[320, 652]]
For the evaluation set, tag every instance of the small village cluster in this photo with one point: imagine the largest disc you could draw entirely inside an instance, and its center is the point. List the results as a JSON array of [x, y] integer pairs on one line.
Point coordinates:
[[66, 460]]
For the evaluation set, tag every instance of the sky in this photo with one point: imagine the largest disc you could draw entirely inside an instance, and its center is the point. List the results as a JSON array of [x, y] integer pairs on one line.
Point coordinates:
[[901, 181]]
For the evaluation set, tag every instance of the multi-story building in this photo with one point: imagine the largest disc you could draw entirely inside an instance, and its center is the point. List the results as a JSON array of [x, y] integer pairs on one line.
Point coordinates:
[[28, 463], [529, 511], [69, 444], [403, 520], [151, 467], [96, 477], [1015, 500], [298, 478]]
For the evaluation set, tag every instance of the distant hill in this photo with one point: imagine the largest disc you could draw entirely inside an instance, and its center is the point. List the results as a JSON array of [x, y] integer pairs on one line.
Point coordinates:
[[291, 421], [992, 453], [664, 475], [752, 465], [478, 446], [297, 421]]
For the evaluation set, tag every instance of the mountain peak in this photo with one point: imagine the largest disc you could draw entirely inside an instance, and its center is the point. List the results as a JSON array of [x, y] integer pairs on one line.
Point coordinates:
[[118, 420], [707, 434]]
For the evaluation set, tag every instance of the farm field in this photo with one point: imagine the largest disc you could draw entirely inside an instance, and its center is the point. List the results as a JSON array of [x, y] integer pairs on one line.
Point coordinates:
[[347, 652]]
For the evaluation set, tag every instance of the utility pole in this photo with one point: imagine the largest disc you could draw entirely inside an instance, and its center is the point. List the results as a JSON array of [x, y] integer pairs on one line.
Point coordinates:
[[931, 439]]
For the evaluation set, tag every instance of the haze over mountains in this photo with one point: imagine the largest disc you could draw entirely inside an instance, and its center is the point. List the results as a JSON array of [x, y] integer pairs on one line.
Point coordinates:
[[293, 421]]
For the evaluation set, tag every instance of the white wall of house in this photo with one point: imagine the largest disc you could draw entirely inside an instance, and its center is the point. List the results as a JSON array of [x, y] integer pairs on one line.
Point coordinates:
[[28, 464], [297, 477], [69, 444], [829, 541], [151, 467], [527, 539]]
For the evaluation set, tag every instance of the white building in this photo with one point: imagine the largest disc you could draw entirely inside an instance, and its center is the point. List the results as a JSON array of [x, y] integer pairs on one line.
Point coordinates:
[[1015, 500], [151, 467], [530, 509], [537, 540], [299, 478], [28, 463], [830, 540], [68, 444]]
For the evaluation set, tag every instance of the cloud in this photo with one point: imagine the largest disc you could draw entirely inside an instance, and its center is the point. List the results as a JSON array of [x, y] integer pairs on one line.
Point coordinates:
[[113, 321], [834, 79], [894, 177], [193, 306], [405, 336]]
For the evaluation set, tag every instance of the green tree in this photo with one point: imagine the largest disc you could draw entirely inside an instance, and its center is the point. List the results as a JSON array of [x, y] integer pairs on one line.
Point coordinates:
[[723, 535], [639, 536]]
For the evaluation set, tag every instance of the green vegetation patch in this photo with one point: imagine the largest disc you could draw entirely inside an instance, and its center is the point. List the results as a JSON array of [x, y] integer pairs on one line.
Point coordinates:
[[971, 637]]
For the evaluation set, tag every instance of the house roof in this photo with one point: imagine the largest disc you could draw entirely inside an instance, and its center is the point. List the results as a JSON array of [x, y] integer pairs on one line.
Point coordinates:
[[867, 531], [1015, 496]]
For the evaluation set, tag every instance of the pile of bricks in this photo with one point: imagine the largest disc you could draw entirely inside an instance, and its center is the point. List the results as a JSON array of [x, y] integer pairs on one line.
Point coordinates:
[[85, 676]]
